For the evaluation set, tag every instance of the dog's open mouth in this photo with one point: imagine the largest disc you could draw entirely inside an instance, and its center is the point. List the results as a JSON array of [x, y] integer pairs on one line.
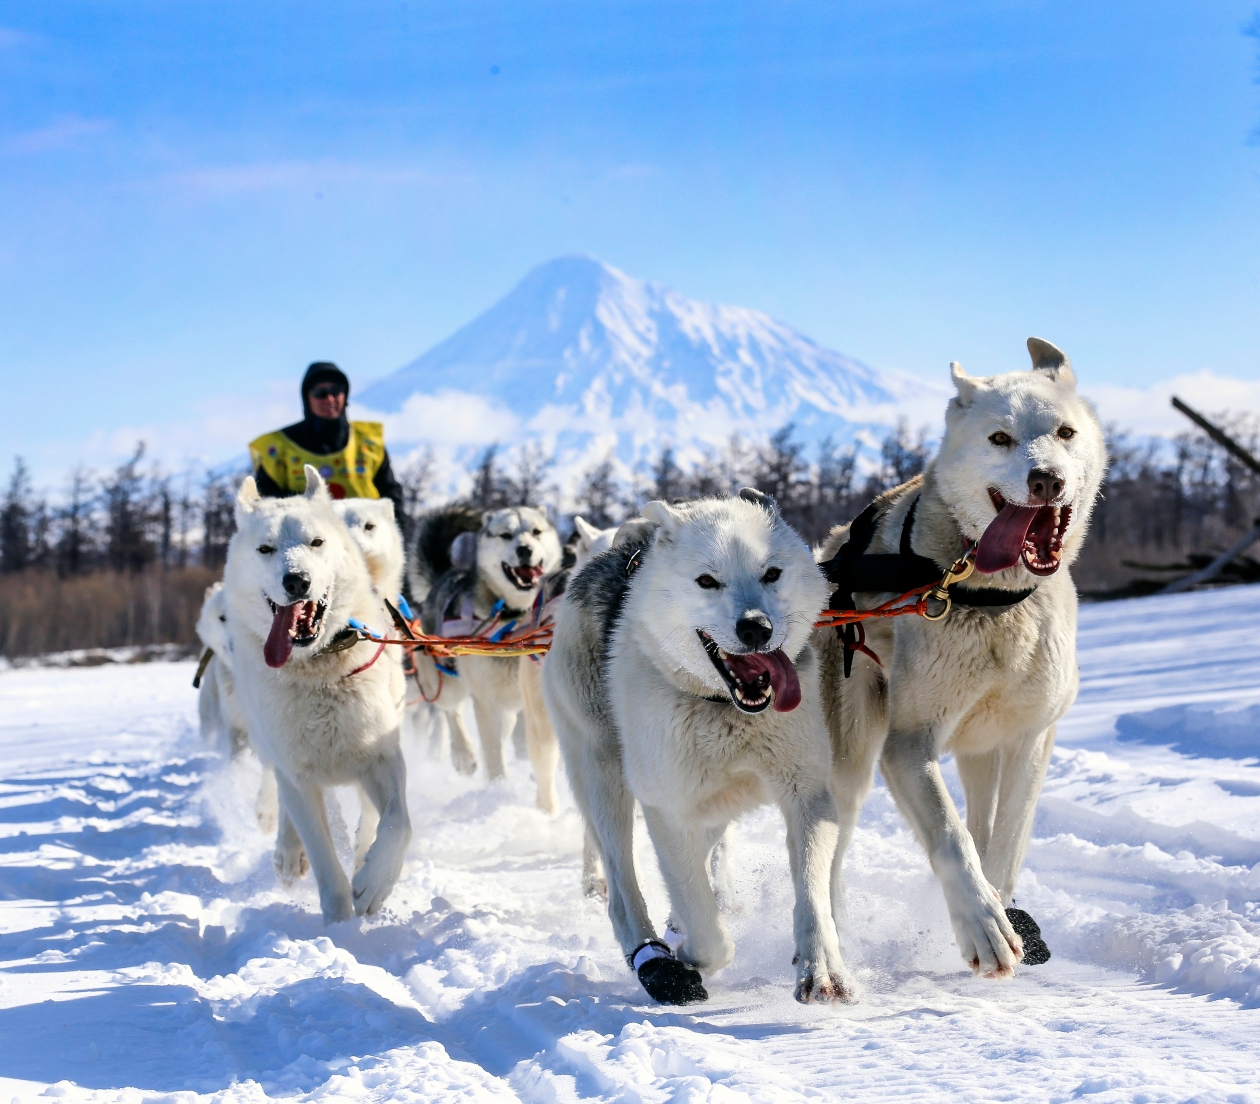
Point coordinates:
[[1033, 533], [295, 626], [754, 679], [522, 577]]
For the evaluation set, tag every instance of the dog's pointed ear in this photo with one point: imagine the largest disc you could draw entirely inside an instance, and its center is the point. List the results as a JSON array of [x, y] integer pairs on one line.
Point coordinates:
[[585, 530], [1052, 360], [486, 515], [315, 485], [247, 496], [965, 384], [759, 498], [662, 514]]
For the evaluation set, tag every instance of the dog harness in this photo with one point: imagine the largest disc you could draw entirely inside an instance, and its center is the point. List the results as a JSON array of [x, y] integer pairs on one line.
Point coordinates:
[[856, 571]]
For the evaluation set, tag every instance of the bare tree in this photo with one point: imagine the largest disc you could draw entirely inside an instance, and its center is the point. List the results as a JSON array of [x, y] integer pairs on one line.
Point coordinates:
[[599, 498]]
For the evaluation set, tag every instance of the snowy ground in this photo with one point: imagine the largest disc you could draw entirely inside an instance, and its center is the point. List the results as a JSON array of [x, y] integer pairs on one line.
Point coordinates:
[[147, 952]]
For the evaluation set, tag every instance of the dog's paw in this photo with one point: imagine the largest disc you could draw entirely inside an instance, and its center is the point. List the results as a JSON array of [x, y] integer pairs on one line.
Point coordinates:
[[291, 864], [547, 802], [463, 759], [595, 886], [1035, 950], [669, 981], [374, 880], [819, 986], [337, 909], [988, 942]]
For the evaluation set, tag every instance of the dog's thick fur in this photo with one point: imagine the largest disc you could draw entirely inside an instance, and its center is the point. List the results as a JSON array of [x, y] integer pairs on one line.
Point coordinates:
[[311, 717], [223, 722], [642, 712], [517, 550], [374, 529], [986, 684]]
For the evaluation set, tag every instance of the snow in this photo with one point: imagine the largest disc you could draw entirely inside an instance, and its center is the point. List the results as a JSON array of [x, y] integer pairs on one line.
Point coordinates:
[[147, 952]]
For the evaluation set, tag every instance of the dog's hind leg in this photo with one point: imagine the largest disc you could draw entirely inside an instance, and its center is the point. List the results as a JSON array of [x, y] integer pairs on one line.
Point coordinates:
[[385, 785], [304, 806], [463, 757], [683, 850], [540, 736], [980, 775], [267, 803], [1023, 772], [290, 857], [365, 834], [594, 884], [493, 725]]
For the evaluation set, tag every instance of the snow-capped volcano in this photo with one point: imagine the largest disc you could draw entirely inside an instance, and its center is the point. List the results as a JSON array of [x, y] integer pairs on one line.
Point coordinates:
[[592, 361]]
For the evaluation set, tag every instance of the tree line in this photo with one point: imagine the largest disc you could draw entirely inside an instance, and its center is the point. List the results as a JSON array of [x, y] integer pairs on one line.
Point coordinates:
[[124, 557]]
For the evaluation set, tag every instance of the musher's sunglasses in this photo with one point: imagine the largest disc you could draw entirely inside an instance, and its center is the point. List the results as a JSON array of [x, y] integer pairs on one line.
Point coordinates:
[[324, 390]]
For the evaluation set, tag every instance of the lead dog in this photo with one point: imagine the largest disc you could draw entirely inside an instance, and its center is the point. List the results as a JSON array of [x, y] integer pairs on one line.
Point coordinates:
[[1016, 477], [320, 710], [668, 657]]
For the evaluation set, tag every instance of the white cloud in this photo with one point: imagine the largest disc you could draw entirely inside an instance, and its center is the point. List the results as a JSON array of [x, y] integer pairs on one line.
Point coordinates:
[[449, 419], [1147, 411]]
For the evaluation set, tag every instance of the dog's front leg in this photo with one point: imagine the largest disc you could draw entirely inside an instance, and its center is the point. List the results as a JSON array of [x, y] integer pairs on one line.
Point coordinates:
[[540, 736], [365, 834], [267, 804], [304, 806], [385, 784], [913, 772], [1023, 773], [813, 833], [683, 849]]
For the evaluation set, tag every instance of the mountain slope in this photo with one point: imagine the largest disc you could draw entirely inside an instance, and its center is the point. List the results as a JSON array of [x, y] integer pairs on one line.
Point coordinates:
[[592, 361]]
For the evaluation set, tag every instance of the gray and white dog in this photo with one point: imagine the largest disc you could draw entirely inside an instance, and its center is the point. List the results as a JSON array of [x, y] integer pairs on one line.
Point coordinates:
[[517, 549], [1016, 478], [682, 675]]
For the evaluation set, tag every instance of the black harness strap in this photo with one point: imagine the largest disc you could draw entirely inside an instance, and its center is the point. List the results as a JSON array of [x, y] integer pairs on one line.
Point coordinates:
[[855, 571]]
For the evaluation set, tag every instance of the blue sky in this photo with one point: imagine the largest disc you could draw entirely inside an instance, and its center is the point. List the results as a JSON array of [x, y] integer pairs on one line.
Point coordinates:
[[200, 198]]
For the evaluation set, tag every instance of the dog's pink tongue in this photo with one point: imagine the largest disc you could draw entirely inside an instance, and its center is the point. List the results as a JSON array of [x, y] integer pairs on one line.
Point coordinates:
[[787, 687], [279, 644], [1003, 540]]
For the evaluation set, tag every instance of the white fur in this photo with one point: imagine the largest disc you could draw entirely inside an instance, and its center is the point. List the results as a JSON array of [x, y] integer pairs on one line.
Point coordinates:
[[508, 537], [223, 722], [642, 727], [987, 685], [591, 541], [319, 724], [374, 529]]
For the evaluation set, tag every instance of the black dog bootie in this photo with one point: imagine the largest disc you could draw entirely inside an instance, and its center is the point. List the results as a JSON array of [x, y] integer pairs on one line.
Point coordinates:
[[666, 980], [1035, 950]]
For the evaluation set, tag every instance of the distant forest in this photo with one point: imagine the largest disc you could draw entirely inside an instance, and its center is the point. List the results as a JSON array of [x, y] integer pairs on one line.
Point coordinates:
[[124, 558]]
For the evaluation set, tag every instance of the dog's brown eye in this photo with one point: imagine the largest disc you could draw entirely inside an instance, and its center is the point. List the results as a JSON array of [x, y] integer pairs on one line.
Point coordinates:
[[1002, 440], [1067, 432], [708, 582], [266, 549], [369, 526], [771, 576], [317, 542]]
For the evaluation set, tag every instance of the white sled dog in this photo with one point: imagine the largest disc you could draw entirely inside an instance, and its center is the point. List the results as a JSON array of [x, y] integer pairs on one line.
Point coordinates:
[[1016, 478], [682, 675], [223, 722], [319, 708], [375, 530], [517, 550]]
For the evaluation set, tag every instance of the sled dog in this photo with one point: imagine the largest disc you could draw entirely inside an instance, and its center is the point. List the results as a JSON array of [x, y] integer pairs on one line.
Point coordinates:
[[516, 550], [682, 675], [591, 541], [1015, 479], [320, 709], [375, 530], [223, 723]]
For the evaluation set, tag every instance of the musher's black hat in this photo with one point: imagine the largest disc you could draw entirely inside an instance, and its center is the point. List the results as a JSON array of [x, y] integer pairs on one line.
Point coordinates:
[[323, 371]]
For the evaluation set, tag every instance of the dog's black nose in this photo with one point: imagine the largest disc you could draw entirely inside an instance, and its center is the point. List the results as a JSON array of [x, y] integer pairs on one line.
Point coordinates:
[[524, 553], [754, 631], [297, 584], [1045, 484]]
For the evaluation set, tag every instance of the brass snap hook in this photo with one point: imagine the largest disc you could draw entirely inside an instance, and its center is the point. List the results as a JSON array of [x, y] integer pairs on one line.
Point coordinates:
[[962, 569]]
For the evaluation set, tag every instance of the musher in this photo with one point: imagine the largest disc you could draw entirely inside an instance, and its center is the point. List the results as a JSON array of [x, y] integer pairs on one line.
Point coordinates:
[[349, 455]]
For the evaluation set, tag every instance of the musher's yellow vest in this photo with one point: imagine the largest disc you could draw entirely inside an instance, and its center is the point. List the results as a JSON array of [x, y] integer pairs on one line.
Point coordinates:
[[348, 473]]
